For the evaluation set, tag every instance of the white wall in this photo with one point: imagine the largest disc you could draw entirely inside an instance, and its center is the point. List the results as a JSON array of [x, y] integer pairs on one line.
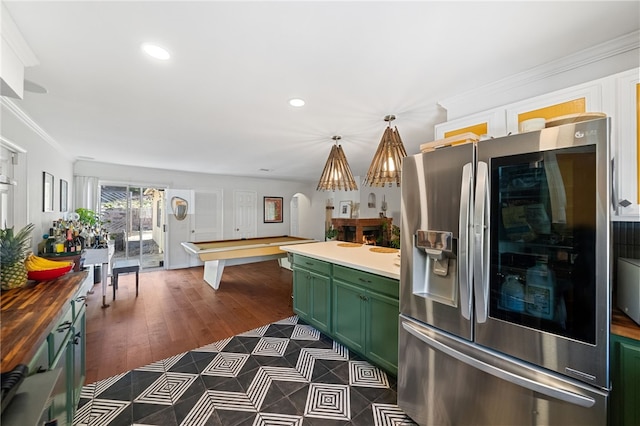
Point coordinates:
[[42, 155], [199, 181]]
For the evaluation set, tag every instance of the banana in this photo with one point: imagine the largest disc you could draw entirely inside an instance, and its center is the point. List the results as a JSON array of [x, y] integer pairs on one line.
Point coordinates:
[[37, 263]]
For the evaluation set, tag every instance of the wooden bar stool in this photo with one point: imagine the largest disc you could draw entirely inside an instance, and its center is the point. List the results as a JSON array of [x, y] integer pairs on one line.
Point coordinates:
[[124, 267]]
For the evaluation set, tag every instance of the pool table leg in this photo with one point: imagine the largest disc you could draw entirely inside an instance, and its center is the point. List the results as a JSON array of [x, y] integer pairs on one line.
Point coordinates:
[[213, 272]]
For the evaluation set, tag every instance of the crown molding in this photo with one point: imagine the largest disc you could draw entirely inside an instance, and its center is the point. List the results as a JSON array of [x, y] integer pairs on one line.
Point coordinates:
[[12, 35], [609, 49], [31, 124], [11, 146]]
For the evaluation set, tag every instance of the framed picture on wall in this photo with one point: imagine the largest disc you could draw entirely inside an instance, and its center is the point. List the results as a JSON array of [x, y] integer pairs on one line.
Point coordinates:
[[272, 209], [345, 209], [64, 194], [47, 192]]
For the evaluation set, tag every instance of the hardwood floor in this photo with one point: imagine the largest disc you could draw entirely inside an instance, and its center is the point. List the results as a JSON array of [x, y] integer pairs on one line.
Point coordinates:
[[177, 311]]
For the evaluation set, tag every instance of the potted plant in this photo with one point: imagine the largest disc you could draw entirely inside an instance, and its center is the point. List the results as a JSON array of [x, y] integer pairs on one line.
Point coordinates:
[[331, 233], [14, 248], [88, 217]]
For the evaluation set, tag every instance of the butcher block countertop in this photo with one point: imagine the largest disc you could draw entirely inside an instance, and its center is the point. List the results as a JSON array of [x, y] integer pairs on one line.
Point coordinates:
[[28, 314], [352, 255], [624, 326]]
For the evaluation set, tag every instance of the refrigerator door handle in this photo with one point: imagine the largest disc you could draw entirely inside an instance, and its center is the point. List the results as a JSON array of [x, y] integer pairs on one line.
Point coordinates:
[[481, 242], [553, 392], [465, 254], [614, 196]]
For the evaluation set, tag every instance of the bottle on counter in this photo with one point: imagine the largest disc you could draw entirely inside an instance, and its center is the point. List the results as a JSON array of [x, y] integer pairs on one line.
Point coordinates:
[[71, 246]]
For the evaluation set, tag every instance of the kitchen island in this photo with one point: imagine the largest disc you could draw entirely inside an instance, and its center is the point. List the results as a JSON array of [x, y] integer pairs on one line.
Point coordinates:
[[350, 292]]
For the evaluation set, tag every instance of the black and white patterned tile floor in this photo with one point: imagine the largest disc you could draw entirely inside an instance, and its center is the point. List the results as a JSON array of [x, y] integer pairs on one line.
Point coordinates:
[[284, 373]]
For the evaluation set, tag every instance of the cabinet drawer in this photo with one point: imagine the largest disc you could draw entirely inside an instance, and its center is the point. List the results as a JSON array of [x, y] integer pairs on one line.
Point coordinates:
[[58, 336], [377, 283], [311, 264]]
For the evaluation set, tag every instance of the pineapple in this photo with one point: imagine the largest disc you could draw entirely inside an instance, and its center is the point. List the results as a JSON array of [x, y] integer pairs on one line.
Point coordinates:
[[13, 251]]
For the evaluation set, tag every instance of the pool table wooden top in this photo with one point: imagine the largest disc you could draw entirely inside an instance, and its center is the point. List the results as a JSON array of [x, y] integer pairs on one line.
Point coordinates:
[[246, 247]]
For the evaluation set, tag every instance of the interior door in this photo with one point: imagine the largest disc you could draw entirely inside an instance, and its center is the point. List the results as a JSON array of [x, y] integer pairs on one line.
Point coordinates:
[[207, 217], [245, 212], [178, 229]]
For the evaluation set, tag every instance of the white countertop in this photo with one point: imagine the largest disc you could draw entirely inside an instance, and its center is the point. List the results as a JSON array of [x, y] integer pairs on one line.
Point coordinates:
[[361, 257]]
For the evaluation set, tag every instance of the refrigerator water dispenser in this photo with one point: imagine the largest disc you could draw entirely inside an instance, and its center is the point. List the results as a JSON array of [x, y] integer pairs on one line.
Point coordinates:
[[435, 249]]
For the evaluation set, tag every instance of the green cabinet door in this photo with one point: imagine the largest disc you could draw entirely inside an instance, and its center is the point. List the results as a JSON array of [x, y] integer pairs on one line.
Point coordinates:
[[301, 292], [312, 294], [382, 332], [320, 305], [349, 315], [625, 375]]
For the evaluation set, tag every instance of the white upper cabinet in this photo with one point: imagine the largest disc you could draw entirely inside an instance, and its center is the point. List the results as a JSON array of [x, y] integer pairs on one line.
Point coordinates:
[[574, 100], [625, 148], [490, 123], [617, 96]]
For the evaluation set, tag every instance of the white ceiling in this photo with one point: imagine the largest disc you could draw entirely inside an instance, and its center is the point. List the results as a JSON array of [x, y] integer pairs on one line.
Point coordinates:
[[220, 104]]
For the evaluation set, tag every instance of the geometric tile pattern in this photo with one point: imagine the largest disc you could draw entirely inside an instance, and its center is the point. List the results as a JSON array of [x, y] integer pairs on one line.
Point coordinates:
[[361, 373], [100, 412], [271, 346], [272, 419], [326, 401], [278, 374], [389, 415], [167, 389], [226, 365], [305, 332]]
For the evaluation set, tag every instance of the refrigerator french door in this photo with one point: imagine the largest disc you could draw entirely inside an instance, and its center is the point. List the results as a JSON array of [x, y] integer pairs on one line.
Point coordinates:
[[504, 280]]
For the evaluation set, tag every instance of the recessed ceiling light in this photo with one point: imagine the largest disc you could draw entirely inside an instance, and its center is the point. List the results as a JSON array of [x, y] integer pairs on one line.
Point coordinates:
[[155, 51], [296, 102]]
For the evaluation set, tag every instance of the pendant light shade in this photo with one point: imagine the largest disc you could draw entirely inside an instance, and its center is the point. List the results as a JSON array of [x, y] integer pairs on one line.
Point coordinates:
[[336, 173], [386, 167]]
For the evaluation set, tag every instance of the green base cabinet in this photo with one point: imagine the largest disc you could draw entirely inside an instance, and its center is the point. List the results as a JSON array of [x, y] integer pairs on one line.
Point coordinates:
[[356, 308], [312, 291], [625, 376], [349, 315], [382, 331], [365, 315]]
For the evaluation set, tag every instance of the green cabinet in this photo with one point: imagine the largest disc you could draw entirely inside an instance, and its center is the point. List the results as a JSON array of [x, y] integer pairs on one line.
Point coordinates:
[[356, 308], [625, 377], [64, 350], [365, 315], [349, 315], [312, 291]]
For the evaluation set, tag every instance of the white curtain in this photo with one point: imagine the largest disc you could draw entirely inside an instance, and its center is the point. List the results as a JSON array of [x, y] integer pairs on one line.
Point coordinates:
[[86, 193]]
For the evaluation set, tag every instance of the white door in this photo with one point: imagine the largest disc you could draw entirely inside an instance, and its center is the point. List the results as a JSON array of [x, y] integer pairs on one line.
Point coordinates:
[[245, 212], [207, 218], [178, 231]]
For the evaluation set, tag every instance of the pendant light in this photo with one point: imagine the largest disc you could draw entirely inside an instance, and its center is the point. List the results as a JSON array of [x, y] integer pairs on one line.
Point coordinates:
[[336, 173], [386, 166]]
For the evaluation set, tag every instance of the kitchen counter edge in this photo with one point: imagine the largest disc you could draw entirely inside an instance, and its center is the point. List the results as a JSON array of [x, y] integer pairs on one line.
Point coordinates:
[[357, 257]]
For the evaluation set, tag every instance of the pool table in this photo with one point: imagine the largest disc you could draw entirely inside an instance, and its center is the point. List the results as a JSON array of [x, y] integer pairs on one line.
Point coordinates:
[[217, 254]]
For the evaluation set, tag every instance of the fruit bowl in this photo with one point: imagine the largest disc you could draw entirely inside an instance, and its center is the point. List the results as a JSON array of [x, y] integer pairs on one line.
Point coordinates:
[[48, 274]]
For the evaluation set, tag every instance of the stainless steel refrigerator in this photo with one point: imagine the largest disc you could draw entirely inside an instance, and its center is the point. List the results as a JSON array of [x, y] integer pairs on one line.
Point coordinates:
[[504, 289]]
